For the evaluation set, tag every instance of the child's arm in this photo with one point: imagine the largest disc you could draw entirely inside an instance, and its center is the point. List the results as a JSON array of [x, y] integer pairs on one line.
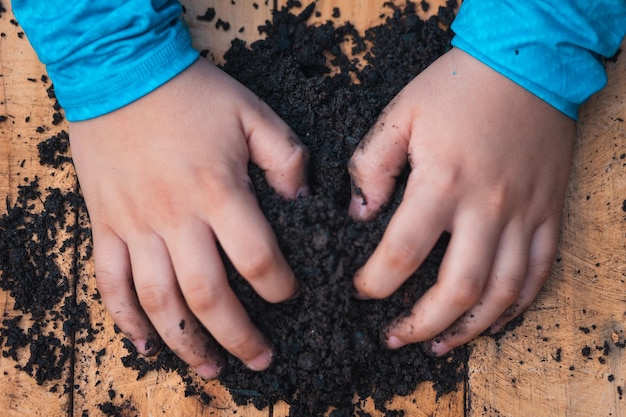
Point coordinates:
[[161, 141], [489, 153]]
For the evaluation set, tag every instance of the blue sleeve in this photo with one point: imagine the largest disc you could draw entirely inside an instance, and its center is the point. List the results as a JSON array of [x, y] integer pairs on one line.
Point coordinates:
[[551, 48], [102, 55]]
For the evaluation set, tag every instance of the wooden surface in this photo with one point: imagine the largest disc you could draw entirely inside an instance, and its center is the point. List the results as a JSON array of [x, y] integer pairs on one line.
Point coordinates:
[[536, 370]]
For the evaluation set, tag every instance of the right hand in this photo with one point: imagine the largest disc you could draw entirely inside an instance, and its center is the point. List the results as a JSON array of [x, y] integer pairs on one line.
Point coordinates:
[[489, 164], [165, 179]]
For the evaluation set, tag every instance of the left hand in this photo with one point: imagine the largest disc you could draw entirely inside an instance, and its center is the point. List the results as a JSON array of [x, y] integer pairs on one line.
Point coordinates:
[[489, 164], [166, 183]]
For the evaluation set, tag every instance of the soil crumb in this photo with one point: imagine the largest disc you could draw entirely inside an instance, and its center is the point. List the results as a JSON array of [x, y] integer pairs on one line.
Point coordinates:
[[43, 293]]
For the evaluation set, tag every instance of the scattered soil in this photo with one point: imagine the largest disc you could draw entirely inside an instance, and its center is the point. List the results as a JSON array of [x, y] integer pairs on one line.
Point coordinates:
[[208, 15], [43, 294]]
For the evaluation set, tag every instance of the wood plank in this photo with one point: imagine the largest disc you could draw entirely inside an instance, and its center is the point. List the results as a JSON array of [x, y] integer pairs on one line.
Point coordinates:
[[23, 95], [567, 359]]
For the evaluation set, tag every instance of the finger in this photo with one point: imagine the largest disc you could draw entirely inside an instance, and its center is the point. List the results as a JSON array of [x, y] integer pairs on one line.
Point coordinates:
[[250, 244], [462, 277], [204, 284], [542, 252], [276, 149], [163, 302], [411, 234], [502, 290], [379, 159], [115, 285]]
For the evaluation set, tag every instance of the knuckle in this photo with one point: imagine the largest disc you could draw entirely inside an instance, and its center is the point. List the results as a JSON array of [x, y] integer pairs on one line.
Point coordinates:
[[507, 295], [107, 282], [399, 252], [353, 166], [298, 157], [358, 164], [508, 287], [412, 330], [202, 297], [163, 205], [539, 270], [511, 312], [154, 297], [219, 180], [496, 199], [466, 294], [239, 343], [188, 352], [445, 182], [259, 263], [242, 343]]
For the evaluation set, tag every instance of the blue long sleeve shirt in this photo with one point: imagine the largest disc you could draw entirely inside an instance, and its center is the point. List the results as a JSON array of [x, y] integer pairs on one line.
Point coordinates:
[[103, 55], [551, 48]]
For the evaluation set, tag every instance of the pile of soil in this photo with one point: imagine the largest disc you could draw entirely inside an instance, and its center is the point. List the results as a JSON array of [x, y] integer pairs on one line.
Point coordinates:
[[328, 343]]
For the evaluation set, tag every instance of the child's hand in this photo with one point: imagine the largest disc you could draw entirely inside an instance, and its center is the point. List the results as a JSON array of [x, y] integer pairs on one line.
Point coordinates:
[[489, 164], [165, 179]]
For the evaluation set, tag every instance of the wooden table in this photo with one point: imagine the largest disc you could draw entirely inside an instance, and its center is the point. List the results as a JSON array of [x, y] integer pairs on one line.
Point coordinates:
[[539, 369]]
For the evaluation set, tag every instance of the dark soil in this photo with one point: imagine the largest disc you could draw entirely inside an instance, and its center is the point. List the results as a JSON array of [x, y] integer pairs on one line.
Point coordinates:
[[328, 343], [44, 295]]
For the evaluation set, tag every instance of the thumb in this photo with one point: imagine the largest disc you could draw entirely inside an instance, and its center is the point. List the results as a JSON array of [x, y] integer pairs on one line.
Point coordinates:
[[276, 149], [378, 160]]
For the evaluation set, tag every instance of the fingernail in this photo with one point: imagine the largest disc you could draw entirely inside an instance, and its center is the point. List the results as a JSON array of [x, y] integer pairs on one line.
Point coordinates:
[[261, 362], [438, 347], [146, 347], [355, 291], [394, 342], [357, 207], [303, 191], [296, 295], [208, 371], [356, 294], [495, 328]]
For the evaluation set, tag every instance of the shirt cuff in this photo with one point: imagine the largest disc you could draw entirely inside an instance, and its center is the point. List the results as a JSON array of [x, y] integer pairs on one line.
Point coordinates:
[[103, 55], [113, 93], [552, 50]]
